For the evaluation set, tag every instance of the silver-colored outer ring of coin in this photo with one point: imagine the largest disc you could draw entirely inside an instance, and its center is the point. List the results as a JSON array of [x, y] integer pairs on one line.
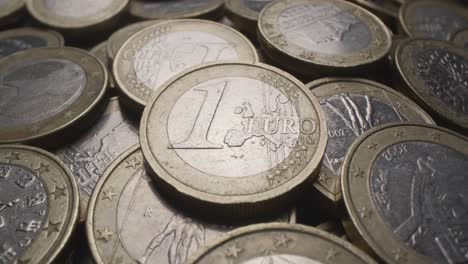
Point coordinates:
[[73, 83], [63, 199], [391, 214], [291, 46], [137, 85], [40, 10], [249, 170], [279, 243]]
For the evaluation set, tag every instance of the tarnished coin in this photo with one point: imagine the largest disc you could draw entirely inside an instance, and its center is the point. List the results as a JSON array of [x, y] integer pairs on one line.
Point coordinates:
[[129, 221], [460, 38], [353, 106], [47, 95], [100, 51], [15, 40], [157, 53], [244, 13], [279, 243], [318, 37], [233, 139], [75, 15], [90, 155], [10, 11], [174, 9], [435, 73], [432, 18], [118, 38], [405, 189], [39, 198]]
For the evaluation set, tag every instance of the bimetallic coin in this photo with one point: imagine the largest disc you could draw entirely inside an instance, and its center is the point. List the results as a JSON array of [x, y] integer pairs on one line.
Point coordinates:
[[100, 51], [279, 243], [244, 13], [316, 37], [435, 73], [49, 94], [118, 38], [353, 106], [404, 186], [38, 189], [175, 9], [129, 221], [432, 18], [233, 139], [9, 10], [460, 38], [15, 40], [157, 53], [90, 155], [75, 15]]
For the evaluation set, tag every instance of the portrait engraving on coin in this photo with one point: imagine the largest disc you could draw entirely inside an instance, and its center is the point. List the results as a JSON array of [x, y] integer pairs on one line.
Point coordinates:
[[348, 116], [14, 44], [76, 9], [258, 129], [256, 5], [281, 259], [171, 53], [23, 209], [38, 90], [324, 28], [435, 22], [421, 189], [445, 75]]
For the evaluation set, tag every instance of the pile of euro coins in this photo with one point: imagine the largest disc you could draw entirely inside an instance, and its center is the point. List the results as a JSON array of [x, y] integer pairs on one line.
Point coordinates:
[[233, 132]]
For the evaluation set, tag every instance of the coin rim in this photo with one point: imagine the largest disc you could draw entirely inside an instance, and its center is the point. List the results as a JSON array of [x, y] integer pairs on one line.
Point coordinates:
[[53, 38], [136, 4], [238, 8], [11, 8]]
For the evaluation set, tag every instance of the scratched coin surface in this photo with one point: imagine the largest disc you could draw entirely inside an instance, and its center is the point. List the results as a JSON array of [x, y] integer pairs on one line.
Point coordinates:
[[100, 51], [436, 75], [72, 14], [118, 38], [244, 13], [233, 135], [38, 205], [9, 9], [405, 189], [353, 106], [129, 221], [90, 155], [45, 92], [318, 35], [175, 9], [154, 55], [279, 244], [460, 38], [432, 18], [19, 39]]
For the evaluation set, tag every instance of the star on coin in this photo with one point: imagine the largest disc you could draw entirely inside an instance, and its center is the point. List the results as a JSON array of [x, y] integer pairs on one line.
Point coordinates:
[[58, 192], [52, 228], [435, 136], [109, 194], [358, 173], [324, 178], [132, 163], [69, 114], [372, 145], [12, 156], [364, 212], [282, 240], [399, 133], [42, 168], [399, 255], [331, 254], [105, 234], [233, 251]]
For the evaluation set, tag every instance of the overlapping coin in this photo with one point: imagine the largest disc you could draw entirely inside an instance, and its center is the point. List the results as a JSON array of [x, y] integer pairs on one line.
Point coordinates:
[[244, 13], [10, 11], [176, 9], [100, 51], [19, 39]]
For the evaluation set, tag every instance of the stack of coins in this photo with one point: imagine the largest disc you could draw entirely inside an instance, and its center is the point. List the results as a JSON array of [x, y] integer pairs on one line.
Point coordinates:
[[236, 131]]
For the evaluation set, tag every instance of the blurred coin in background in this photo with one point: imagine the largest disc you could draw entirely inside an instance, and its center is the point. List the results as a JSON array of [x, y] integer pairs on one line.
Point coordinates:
[[19, 39]]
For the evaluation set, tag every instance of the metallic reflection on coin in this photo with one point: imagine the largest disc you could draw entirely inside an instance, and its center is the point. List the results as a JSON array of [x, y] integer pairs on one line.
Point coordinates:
[[244, 13], [44, 91], [233, 135], [100, 51], [90, 155], [175, 9], [19, 39], [460, 38], [432, 18], [435, 73], [414, 198], [353, 106], [35, 184], [129, 221], [157, 53], [279, 244]]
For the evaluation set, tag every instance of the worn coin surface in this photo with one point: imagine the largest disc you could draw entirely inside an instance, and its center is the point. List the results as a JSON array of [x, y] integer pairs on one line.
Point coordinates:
[[39, 198], [100, 51], [72, 14], [460, 38], [244, 13], [279, 243], [353, 106], [314, 37], [435, 73], [129, 221], [233, 138], [48, 94], [174, 9], [432, 18], [9, 10], [90, 155], [15, 40], [405, 189], [157, 53], [118, 38]]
